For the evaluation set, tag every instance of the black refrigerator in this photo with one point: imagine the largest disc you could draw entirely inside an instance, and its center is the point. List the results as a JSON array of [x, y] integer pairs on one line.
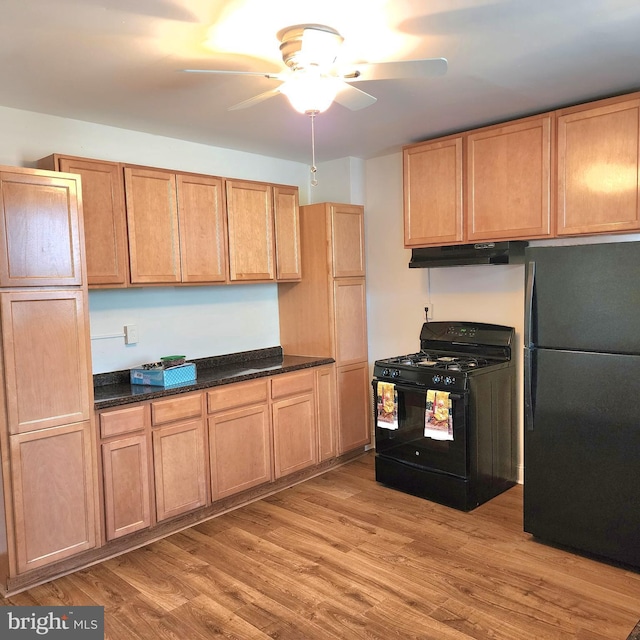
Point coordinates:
[[582, 398]]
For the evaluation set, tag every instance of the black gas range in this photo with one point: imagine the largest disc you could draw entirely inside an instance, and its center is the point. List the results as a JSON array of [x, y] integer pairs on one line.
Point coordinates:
[[446, 415]]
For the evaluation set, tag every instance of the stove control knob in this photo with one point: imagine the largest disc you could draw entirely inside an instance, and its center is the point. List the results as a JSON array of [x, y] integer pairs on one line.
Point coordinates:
[[437, 379], [385, 372], [449, 380], [395, 373]]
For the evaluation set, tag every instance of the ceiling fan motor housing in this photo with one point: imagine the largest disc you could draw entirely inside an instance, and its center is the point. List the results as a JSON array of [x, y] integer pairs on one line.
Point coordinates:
[[309, 45]]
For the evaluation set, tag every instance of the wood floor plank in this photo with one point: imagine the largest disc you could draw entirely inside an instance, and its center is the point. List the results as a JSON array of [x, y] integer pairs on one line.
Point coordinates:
[[342, 557]]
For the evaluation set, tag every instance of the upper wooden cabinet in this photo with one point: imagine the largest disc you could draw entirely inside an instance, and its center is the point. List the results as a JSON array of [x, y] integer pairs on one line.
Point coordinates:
[[433, 193], [250, 220], [176, 227], [347, 240], [508, 181], [40, 228], [489, 184], [152, 214], [286, 213], [574, 171], [203, 228], [145, 225], [599, 167], [105, 225]]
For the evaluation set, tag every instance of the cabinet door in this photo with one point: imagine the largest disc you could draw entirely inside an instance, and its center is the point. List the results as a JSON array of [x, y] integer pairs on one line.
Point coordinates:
[[40, 229], [203, 229], [46, 359], [287, 233], [432, 175], [354, 407], [240, 450], [105, 226], [350, 320], [294, 434], [326, 412], [53, 492], [127, 497], [599, 168], [347, 239], [179, 464], [250, 220], [152, 219], [508, 184]]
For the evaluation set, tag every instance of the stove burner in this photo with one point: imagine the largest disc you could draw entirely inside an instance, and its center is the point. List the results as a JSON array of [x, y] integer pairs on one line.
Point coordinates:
[[425, 360]]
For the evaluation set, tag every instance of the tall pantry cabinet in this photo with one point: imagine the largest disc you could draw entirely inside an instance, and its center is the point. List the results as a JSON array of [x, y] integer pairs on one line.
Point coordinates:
[[325, 313], [47, 501]]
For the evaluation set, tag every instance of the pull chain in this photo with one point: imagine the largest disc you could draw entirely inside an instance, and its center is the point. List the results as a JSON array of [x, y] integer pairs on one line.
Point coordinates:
[[314, 180]]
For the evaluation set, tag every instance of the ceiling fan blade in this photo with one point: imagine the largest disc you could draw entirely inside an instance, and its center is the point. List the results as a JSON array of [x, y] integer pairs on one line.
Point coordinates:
[[353, 98], [399, 69], [255, 100], [262, 74]]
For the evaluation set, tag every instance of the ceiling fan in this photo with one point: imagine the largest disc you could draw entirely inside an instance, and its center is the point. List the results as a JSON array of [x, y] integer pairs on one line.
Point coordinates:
[[313, 78]]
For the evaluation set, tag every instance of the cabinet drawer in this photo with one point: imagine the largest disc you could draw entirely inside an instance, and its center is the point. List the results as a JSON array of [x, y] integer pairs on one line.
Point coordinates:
[[114, 423], [291, 384], [237, 395], [177, 408]]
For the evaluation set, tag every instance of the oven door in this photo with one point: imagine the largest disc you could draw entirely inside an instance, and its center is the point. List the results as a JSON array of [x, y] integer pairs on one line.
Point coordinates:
[[408, 443]]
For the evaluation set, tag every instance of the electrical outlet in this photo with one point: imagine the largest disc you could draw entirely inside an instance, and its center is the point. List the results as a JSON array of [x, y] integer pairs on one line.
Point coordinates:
[[130, 334], [428, 311]]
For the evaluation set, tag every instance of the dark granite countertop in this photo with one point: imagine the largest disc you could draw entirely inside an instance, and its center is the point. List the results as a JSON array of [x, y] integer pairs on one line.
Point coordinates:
[[113, 389]]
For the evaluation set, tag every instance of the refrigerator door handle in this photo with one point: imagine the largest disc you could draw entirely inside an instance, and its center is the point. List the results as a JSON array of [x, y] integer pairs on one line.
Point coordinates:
[[528, 303], [529, 399]]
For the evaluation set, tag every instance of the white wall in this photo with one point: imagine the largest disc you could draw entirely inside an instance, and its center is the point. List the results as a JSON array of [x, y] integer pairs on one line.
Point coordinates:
[[194, 321], [340, 180]]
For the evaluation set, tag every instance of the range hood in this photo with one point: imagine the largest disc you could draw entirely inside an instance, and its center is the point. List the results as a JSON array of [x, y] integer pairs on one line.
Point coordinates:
[[466, 254]]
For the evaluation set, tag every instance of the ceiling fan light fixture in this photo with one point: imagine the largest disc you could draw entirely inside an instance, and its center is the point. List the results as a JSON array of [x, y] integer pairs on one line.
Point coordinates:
[[309, 45], [310, 92]]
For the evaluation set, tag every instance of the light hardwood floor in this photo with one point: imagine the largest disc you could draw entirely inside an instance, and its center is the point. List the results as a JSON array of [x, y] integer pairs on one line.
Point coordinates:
[[340, 556]]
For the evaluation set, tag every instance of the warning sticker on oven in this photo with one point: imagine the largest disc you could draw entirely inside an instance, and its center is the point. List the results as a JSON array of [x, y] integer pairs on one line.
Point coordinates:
[[438, 420], [387, 405]]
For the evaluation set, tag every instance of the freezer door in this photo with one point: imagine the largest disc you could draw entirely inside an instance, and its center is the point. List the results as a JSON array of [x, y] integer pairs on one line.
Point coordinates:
[[584, 297], [582, 452]]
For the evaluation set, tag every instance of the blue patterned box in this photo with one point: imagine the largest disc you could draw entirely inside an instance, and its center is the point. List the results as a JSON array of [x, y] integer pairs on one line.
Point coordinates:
[[164, 377]]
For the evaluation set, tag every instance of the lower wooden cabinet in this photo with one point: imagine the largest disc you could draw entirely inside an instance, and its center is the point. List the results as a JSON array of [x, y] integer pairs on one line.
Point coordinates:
[[127, 492], [354, 407], [294, 434], [166, 457], [126, 457], [293, 412], [239, 450], [179, 454], [179, 467], [53, 494], [326, 412]]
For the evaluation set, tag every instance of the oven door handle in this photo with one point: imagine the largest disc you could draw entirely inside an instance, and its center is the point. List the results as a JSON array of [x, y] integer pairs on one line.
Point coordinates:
[[410, 389]]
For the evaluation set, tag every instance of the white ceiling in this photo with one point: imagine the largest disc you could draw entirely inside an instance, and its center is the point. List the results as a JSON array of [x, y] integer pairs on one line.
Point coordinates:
[[118, 62]]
